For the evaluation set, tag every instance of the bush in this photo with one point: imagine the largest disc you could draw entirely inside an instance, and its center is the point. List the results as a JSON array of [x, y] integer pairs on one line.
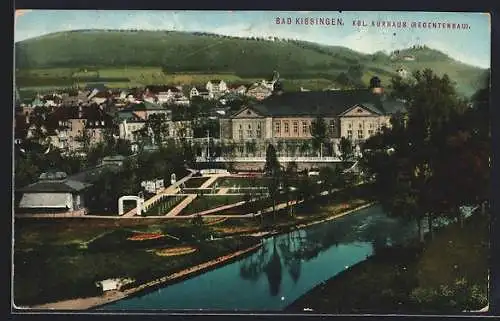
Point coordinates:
[[458, 296]]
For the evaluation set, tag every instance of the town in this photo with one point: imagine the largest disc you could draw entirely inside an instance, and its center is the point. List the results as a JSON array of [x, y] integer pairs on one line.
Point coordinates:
[[222, 126]]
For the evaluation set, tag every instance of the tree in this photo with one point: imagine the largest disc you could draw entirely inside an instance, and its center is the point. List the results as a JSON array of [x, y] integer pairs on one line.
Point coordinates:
[[84, 138], [319, 132], [412, 159], [346, 149], [159, 127], [343, 80], [304, 148], [331, 179], [289, 180], [272, 170], [272, 165], [273, 187]]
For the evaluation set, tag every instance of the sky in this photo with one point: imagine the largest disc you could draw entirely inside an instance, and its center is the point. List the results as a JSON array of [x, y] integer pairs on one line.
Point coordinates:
[[471, 46]]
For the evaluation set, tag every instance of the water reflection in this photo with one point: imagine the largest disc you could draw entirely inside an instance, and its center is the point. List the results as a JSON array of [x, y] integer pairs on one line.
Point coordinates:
[[285, 268], [286, 253]]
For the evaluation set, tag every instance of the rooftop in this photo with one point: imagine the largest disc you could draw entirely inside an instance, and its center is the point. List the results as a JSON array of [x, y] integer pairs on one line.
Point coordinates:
[[324, 103]]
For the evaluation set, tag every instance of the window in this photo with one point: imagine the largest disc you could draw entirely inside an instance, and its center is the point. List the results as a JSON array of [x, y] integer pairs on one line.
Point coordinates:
[[370, 132], [295, 127], [332, 126], [349, 125], [259, 132], [286, 128], [360, 134], [249, 131], [304, 127], [277, 127], [240, 149], [360, 126], [370, 125], [240, 132], [349, 134]]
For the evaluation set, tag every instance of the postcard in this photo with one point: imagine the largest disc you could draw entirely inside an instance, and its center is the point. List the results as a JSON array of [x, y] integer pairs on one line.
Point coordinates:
[[251, 161]]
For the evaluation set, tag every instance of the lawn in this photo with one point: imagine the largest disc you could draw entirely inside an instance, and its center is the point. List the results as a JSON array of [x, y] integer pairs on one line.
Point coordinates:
[[240, 182], [447, 275], [164, 206], [195, 182], [203, 203], [50, 274]]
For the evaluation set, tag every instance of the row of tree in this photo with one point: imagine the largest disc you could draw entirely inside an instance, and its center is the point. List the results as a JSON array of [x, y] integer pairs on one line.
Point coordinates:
[[436, 157]]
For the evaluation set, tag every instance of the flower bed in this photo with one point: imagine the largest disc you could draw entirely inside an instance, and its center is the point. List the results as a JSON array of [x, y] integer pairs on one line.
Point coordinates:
[[176, 251], [145, 236]]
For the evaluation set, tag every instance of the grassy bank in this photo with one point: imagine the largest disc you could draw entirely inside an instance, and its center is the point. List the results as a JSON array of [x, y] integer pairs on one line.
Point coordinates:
[[447, 275], [52, 273]]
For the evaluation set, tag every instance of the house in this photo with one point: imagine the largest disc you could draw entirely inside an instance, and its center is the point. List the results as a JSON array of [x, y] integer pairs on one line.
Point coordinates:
[[54, 192], [69, 126], [199, 92], [216, 88], [181, 100], [402, 72], [113, 284], [52, 100], [115, 160], [130, 129], [99, 97], [37, 102], [268, 83], [75, 97], [259, 91], [287, 117], [181, 129], [164, 94], [409, 58], [239, 89], [143, 110]]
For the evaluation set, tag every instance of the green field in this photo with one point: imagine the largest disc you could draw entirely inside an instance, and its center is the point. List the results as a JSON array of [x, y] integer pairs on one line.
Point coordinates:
[[167, 57], [239, 182], [195, 182], [203, 203], [165, 205]]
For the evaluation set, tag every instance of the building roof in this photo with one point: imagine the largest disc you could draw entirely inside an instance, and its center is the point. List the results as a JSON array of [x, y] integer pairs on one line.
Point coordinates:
[[126, 115], [143, 106], [201, 89], [114, 158], [323, 103], [93, 175], [55, 186], [162, 88]]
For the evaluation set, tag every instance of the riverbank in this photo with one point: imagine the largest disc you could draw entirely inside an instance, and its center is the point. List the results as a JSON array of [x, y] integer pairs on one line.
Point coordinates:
[[112, 296], [446, 275]]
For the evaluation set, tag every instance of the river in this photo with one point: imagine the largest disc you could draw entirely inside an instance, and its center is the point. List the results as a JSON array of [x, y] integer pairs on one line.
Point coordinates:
[[285, 268]]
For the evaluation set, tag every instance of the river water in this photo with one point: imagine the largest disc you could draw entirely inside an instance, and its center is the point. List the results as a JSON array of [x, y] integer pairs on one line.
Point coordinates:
[[285, 268]]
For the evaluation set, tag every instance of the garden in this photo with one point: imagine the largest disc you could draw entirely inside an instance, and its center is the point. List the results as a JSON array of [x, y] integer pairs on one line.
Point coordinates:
[[195, 182], [66, 265], [165, 205], [208, 202]]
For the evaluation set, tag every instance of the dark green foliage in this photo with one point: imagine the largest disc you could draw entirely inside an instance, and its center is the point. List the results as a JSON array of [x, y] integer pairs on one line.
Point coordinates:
[[209, 53]]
